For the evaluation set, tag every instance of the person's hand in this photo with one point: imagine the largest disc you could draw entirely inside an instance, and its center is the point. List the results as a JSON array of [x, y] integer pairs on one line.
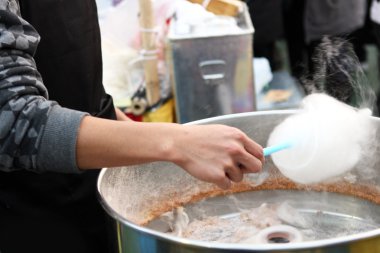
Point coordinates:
[[218, 154], [121, 115]]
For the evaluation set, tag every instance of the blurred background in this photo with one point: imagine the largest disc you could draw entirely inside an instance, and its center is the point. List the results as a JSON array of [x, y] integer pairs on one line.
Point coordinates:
[[219, 57]]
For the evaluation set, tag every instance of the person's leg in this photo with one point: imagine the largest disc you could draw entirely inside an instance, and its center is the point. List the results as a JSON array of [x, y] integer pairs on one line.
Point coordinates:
[[267, 51], [376, 33], [266, 16], [362, 36], [294, 35], [311, 49]]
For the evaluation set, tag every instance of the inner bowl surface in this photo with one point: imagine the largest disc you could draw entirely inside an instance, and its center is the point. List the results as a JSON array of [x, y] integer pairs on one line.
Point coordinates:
[[345, 211]]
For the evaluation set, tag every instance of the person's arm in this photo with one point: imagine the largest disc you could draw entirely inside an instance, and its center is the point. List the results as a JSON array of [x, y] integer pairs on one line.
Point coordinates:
[[213, 153], [225, 156], [37, 134]]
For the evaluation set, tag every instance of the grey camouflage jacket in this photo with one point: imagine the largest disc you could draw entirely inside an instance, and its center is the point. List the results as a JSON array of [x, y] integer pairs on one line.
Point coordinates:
[[35, 134]]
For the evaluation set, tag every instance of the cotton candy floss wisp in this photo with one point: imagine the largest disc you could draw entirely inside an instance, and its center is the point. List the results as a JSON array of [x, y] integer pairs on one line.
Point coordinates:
[[327, 139]]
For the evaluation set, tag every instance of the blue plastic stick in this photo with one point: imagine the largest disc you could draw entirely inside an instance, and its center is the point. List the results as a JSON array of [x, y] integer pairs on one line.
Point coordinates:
[[276, 148]]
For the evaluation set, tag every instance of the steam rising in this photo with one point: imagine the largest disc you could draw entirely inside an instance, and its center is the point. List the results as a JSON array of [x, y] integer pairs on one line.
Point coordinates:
[[338, 73]]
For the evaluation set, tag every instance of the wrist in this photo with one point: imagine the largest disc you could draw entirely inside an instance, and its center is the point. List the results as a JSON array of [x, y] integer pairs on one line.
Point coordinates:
[[170, 146]]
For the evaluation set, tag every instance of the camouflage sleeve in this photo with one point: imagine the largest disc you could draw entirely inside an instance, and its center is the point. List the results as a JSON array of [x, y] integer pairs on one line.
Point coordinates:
[[35, 133]]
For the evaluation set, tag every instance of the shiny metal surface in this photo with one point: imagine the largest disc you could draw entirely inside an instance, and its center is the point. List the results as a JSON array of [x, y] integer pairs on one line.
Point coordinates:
[[220, 65], [135, 195]]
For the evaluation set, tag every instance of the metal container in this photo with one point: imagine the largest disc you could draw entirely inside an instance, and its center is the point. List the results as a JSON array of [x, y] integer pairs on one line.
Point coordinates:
[[136, 195], [212, 75]]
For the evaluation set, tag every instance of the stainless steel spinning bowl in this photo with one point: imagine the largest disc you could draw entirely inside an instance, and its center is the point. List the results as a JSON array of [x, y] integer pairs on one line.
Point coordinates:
[[136, 195]]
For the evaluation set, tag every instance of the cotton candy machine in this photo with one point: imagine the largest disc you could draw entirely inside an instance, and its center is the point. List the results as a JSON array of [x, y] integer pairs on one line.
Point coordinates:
[[339, 215]]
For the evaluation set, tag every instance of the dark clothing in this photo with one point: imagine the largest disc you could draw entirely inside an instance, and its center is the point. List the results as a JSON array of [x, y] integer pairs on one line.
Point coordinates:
[[267, 20], [376, 33], [333, 17], [54, 212], [294, 35], [69, 54]]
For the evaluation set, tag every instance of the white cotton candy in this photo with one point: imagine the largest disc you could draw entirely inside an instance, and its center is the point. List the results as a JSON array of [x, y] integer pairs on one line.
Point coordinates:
[[327, 136]]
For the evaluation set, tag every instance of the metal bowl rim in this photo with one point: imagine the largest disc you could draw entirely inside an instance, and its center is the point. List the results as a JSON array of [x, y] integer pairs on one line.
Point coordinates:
[[263, 247], [231, 246], [245, 114], [241, 115]]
